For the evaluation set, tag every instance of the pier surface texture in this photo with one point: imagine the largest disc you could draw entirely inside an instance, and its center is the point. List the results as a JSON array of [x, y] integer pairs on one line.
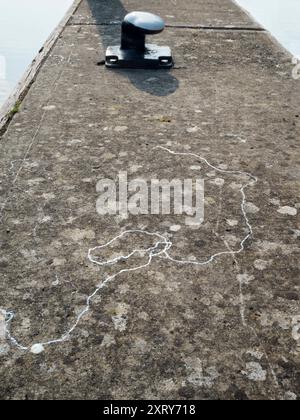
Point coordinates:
[[225, 329]]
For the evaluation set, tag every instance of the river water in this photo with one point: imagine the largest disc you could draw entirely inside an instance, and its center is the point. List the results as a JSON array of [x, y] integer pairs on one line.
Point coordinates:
[[280, 17], [25, 25]]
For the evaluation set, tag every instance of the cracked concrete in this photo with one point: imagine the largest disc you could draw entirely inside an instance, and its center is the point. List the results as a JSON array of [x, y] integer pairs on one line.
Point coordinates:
[[227, 330]]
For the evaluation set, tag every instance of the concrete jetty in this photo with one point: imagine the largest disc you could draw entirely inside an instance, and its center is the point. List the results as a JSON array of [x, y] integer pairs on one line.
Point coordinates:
[[219, 318]]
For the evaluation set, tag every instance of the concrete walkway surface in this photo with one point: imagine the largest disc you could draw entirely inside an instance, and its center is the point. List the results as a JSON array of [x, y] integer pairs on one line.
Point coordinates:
[[229, 329]]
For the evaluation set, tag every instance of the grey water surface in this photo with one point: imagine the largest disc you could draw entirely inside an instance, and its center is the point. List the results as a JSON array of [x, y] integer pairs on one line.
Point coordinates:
[[280, 17], [25, 25]]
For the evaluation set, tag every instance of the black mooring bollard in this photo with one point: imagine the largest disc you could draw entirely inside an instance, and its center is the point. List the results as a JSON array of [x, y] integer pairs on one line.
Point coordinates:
[[134, 52]]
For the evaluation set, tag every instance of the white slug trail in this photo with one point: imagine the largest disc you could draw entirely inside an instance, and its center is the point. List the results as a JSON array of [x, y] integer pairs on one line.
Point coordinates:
[[243, 207], [159, 250]]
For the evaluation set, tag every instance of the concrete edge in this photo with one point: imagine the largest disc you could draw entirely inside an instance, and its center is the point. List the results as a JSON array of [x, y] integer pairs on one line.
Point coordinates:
[[266, 31], [11, 105]]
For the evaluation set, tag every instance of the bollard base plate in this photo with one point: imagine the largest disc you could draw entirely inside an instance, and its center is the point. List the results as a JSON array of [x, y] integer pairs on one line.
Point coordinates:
[[154, 57]]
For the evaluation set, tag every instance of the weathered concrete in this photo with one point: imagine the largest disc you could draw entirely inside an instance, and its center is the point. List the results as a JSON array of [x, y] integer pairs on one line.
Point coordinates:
[[214, 13], [229, 329]]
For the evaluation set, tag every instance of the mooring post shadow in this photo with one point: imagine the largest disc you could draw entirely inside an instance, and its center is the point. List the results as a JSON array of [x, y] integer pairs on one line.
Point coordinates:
[[133, 51]]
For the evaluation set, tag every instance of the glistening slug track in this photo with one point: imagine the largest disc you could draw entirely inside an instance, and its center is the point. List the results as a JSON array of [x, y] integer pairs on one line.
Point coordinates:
[[161, 249]]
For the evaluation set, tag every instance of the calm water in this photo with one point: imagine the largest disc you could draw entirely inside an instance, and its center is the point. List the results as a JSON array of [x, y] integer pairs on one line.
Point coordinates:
[[24, 27], [281, 17]]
